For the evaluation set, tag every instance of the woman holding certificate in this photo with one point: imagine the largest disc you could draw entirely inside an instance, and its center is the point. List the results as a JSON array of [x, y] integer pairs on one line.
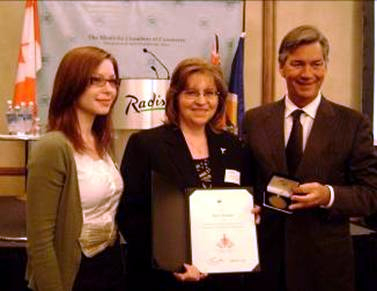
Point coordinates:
[[192, 150]]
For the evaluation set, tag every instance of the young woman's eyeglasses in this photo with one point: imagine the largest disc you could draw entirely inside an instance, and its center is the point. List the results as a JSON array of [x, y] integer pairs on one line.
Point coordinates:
[[101, 81]]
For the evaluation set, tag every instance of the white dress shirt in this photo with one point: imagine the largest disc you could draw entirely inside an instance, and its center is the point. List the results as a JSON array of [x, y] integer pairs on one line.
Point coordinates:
[[306, 119]]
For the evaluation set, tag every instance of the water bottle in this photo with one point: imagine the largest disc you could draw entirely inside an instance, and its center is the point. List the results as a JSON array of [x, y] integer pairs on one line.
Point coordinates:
[[11, 118], [28, 117], [36, 127], [19, 119]]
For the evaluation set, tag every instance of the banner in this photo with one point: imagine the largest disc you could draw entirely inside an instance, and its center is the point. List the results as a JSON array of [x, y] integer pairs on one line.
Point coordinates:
[[172, 30], [29, 57]]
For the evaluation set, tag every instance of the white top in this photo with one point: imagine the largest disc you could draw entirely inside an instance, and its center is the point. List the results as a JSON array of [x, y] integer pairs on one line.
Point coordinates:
[[306, 119], [100, 186]]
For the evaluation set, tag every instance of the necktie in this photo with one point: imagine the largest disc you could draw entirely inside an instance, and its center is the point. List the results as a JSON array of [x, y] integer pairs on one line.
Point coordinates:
[[293, 151]]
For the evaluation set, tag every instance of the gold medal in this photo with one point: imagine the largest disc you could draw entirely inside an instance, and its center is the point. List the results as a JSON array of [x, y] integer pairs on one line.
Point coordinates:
[[277, 202]]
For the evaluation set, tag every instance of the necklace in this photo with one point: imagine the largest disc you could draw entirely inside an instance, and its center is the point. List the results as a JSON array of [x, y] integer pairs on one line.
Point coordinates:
[[198, 147]]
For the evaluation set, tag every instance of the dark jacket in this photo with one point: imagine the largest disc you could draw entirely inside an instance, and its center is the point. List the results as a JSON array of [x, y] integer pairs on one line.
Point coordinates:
[[164, 150], [314, 246]]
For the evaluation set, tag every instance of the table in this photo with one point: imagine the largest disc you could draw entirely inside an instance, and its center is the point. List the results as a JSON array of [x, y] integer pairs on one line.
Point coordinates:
[[365, 255], [26, 139], [13, 243], [12, 222]]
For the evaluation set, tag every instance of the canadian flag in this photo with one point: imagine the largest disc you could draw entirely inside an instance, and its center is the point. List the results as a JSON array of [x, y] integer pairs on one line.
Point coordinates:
[[29, 57]]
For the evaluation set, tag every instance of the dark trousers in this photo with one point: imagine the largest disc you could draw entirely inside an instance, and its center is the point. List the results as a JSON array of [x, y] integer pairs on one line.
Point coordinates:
[[104, 271], [158, 280]]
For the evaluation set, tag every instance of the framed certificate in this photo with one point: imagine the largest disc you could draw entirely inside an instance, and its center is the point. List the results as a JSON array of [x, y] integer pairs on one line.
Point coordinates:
[[212, 229], [222, 230]]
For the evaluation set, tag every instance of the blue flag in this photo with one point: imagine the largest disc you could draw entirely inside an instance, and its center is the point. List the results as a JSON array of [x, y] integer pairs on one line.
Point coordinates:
[[236, 86]]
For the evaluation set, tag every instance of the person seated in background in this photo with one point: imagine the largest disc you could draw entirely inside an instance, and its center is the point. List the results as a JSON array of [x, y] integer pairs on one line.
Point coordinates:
[[192, 150], [73, 186]]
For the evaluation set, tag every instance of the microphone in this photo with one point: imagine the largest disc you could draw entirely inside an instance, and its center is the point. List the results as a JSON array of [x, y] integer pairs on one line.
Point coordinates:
[[155, 70], [159, 61]]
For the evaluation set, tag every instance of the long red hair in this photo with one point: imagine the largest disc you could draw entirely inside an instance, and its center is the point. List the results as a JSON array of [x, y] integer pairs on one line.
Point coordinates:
[[71, 80]]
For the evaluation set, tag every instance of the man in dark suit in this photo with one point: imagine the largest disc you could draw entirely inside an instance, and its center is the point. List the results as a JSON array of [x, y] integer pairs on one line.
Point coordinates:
[[336, 166]]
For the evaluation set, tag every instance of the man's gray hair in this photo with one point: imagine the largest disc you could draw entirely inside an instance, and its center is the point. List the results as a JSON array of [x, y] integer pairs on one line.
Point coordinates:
[[301, 35]]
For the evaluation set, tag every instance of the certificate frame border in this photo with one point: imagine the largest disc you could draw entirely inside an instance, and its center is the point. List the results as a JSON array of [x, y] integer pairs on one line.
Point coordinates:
[[188, 192]]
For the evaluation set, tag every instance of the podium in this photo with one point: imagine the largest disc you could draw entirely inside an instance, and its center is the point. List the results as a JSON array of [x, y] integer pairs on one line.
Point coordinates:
[[140, 103]]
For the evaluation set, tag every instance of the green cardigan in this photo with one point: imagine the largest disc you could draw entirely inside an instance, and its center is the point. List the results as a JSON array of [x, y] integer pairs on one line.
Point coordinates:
[[54, 215]]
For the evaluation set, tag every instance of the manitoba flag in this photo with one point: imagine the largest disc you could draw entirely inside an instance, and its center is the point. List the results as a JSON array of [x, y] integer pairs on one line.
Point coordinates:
[[236, 85], [29, 57]]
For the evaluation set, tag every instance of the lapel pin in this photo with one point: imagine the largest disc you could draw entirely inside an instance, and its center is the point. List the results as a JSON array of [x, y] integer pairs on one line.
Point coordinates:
[[223, 150]]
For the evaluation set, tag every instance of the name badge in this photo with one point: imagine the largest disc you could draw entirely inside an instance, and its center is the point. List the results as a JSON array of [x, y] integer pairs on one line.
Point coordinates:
[[232, 176]]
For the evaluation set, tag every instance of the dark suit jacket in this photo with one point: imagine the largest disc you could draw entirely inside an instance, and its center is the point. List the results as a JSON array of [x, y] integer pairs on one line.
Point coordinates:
[[164, 150], [313, 246]]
